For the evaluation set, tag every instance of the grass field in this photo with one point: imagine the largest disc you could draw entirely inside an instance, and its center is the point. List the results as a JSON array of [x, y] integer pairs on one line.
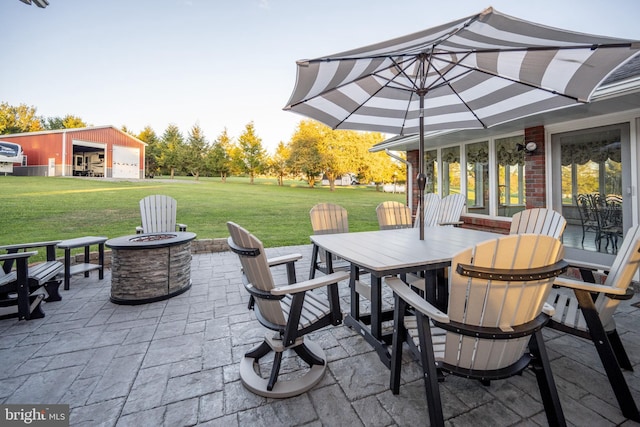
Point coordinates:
[[42, 208]]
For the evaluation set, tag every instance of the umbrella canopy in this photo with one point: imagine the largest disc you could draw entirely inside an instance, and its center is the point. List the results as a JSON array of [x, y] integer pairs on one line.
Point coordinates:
[[39, 3], [474, 72]]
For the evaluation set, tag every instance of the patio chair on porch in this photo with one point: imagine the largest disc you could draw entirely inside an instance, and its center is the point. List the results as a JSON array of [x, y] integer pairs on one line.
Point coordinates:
[[291, 311], [158, 215], [538, 221], [586, 310], [327, 218], [588, 216], [492, 329], [393, 215]]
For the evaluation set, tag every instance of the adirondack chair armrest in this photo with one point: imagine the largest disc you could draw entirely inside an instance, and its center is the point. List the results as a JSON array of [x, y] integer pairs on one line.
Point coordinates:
[[548, 309], [283, 259], [589, 287], [415, 300], [50, 247], [181, 227], [139, 229], [14, 256], [18, 246], [451, 223], [587, 265], [308, 285], [523, 274]]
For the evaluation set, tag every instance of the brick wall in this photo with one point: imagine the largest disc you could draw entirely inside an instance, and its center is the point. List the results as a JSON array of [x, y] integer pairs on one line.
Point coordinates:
[[535, 174]]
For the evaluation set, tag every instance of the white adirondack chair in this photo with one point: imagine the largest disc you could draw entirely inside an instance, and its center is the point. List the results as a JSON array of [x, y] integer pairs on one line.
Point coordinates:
[[586, 310], [158, 215], [450, 210], [538, 221], [492, 329], [431, 208], [393, 215], [288, 310]]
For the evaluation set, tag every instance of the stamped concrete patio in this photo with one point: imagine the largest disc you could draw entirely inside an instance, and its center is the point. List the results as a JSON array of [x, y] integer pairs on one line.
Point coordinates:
[[175, 363]]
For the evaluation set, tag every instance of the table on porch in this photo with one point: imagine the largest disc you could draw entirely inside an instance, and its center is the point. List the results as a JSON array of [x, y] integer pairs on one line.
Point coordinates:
[[391, 252]]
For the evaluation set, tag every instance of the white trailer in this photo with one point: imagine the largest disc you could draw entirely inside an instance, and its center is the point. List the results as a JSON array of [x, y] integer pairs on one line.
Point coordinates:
[[10, 153]]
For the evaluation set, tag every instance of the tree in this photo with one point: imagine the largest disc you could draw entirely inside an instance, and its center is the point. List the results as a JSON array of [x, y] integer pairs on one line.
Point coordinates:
[[18, 119], [152, 151], [219, 156], [316, 149], [252, 156], [305, 152], [195, 152], [172, 145], [375, 167], [278, 162], [67, 122]]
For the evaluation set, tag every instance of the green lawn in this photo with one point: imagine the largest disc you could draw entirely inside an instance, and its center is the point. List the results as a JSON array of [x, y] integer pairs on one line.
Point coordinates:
[[56, 208]]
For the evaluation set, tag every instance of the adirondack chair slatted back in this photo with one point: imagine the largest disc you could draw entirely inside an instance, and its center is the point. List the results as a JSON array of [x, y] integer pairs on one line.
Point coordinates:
[[621, 275], [257, 273], [450, 209], [329, 218], [158, 213], [497, 303], [538, 221], [392, 215], [431, 208]]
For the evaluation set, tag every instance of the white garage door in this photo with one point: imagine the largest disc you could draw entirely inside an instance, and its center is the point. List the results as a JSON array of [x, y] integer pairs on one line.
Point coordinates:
[[126, 162]]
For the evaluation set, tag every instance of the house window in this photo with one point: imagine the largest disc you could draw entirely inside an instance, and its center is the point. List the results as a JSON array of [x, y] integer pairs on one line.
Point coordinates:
[[511, 183], [477, 173], [451, 172]]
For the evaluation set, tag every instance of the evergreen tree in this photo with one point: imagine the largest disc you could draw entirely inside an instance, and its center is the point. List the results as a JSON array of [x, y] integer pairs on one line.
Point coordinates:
[[195, 152], [252, 156], [172, 148], [219, 157], [152, 151], [278, 162]]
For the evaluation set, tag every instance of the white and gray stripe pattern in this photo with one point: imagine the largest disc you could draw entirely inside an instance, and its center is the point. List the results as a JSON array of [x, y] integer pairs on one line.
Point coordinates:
[[475, 72]]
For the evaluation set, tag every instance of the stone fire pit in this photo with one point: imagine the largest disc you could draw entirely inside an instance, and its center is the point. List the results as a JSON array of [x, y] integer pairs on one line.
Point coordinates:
[[150, 267]]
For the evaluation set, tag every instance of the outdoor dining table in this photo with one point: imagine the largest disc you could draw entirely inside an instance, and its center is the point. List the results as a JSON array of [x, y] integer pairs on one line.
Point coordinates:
[[393, 252]]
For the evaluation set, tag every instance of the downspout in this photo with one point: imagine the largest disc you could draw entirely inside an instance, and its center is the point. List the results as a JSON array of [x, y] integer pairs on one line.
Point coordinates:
[[64, 152], [409, 175]]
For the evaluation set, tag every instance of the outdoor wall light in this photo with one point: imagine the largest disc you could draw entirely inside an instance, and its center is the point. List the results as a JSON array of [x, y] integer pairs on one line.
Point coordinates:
[[529, 147]]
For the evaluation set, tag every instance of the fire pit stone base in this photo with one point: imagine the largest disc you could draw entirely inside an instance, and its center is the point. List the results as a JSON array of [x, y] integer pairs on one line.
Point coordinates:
[[148, 268]]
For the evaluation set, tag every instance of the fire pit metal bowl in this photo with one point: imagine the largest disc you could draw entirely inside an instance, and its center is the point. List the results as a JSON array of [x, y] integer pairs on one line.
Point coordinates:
[[150, 267]]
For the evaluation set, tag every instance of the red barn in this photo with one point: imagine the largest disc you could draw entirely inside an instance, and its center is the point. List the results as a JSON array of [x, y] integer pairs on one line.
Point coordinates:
[[102, 151]]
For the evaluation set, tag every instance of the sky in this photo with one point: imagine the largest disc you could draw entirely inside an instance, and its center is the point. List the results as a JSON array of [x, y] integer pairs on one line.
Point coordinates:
[[222, 64]]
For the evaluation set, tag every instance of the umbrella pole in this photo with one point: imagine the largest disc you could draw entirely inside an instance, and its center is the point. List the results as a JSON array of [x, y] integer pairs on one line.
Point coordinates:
[[422, 178]]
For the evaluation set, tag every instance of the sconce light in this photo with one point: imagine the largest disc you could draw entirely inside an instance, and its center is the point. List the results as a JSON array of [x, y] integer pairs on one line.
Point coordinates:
[[528, 148]]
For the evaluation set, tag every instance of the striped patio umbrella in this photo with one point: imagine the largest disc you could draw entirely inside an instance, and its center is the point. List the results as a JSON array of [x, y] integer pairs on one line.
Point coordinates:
[[474, 72], [39, 3]]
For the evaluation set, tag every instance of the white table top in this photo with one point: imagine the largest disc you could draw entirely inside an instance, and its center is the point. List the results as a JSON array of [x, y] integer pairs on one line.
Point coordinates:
[[386, 251]]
